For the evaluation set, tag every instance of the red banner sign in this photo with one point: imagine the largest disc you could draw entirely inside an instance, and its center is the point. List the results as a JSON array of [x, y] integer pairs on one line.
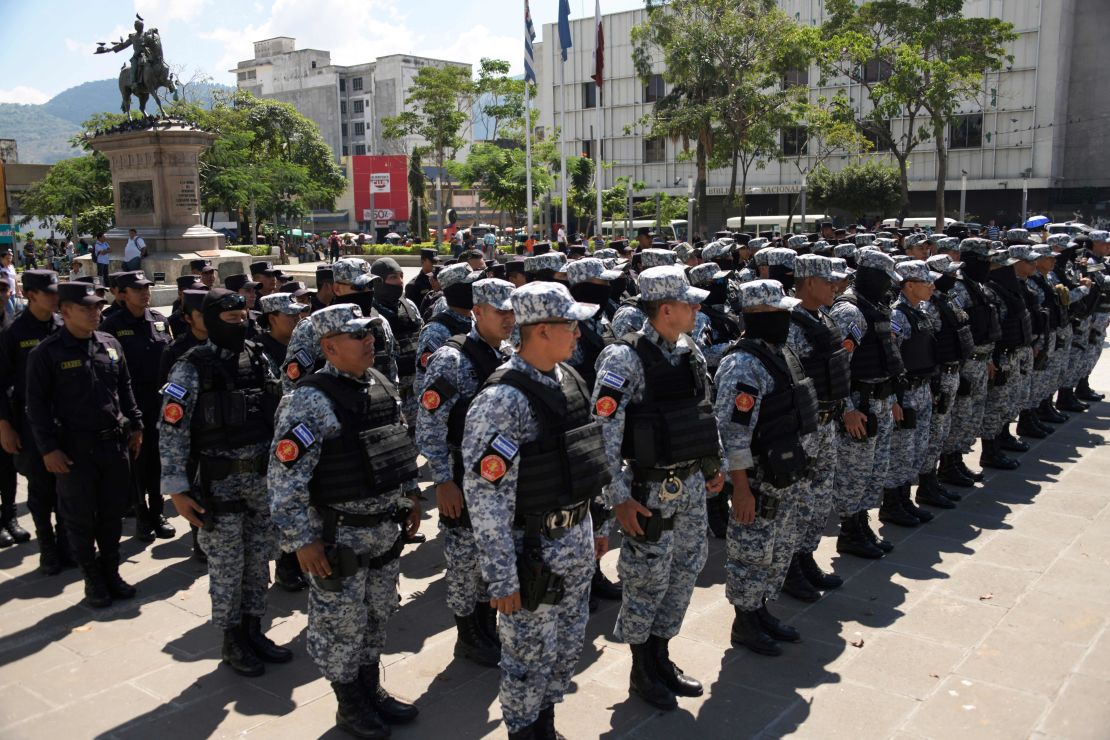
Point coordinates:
[[387, 176]]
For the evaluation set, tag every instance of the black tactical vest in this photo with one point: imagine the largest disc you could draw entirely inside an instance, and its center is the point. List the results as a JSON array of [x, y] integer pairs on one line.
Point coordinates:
[[1017, 326], [591, 343], [1055, 311], [373, 454], [485, 359], [674, 423], [566, 463], [986, 324], [725, 326], [1038, 313], [829, 364], [919, 353], [876, 356], [954, 340], [406, 325], [237, 401]]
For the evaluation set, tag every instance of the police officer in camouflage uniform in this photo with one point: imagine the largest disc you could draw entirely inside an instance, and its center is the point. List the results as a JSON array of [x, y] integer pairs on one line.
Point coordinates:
[[1057, 345], [1079, 288], [455, 373], [218, 409], [341, 460], [1097, 254], [652, 400], [529, 510], [404, 320], [456, 281], [629, 317], [764, 406]]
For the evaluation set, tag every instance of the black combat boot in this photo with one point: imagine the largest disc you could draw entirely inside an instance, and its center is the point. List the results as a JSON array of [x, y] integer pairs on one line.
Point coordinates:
[[117, 587], [1007, 441], [645, 681], [671, 675], [797, 585], [265, 648], [813, 573], [11, 526], [6, 539], [892, 510], [50, 562], [96, 591], [1066, 401], [288, 574], [974, 475], [392, 710], [864, 521], [602, 587], [525, 733], [851, 541], [1084, 393], [932, 483], [355, 715], [951, 472], [238, 655], [487, 620], [1046, 412], [747, 631], [773, 627], [929, 492], [544, 726], [911, 508], [1027, 426], [993, 457], [471, 642], [717, 511]]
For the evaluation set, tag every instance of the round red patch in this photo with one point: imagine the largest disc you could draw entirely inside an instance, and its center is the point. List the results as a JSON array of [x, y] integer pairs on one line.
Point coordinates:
[[745, 402], [848, 345], [605, 406], [492, 468], [173, 412], [430, 400], [286, 451], [424, 359], [293, 371]]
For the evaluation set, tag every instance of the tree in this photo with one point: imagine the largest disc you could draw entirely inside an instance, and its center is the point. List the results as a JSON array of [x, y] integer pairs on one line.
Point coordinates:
[[500, 174], [500, 98], [916, 59], [859, 189], [79, 189]]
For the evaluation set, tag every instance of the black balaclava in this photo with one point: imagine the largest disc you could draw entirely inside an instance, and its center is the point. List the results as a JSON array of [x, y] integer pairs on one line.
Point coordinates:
[[460, 295], [222, 334], [873, 283], [590, 293], [617, 287], [364, 299], [718, 292], [541, 276], [944, 283], [783, 274], [976, 267], [388, 294], [770, 326]]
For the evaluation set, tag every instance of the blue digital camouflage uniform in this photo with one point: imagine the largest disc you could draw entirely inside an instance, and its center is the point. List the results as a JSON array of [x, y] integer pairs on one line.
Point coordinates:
[[627, 319], [240, 545], [908, 446], [1000, 398], [1099, 317], [304, 352], [658, 577], [970, 408], [463, 577], [346, 629], [1058, 360], [539, 649], [945, 386]]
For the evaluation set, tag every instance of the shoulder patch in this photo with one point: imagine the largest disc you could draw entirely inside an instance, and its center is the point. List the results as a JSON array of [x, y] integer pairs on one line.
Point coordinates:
[[612, 380], [430, 400], [857, 333], [497, 459], [895, 326], [504, 445], [159, 325], [173, 390], [172, 413], [744, 403], [424, 357], [291, 446], [302, 356], [293, 370]]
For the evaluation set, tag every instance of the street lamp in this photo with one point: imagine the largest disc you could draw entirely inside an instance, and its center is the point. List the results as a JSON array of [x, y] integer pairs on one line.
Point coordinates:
[[963, 195], [690, 209]]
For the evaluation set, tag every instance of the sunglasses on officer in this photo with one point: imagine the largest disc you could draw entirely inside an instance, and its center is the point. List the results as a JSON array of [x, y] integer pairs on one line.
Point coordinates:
[[232, 302]]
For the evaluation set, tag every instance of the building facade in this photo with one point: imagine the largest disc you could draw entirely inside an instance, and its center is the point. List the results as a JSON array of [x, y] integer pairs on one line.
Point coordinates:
[[1040, 124]]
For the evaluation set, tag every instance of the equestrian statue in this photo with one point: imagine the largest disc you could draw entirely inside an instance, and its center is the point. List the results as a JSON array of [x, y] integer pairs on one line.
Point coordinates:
[[147, 72]]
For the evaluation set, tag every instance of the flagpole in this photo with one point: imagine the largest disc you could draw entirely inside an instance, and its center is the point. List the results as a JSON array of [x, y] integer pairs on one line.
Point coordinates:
[[562, 143], [599, 72], [598, 170], [528, 155]]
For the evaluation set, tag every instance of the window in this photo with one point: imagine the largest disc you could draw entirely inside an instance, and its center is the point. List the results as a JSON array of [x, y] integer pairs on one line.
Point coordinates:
[[589, 149], [795, 141], [343, 130], [966, 132], [242, 76], [360, 149], [654, 89], [873, 130], [589, 95], [877, 70], [314, 64], [344, 150], [343, 107], [342, 85], [360, 128], [357, 107], [356, 84], [796, 77], [655, 150]]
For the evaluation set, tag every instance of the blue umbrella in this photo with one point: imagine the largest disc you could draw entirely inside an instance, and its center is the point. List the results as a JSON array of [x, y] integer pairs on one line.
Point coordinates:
[[1037, 222]]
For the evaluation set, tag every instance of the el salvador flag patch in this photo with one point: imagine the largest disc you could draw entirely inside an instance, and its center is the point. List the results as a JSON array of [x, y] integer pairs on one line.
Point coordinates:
[[612, 380], [303, 358], [304, 434], [173, 390], [504, 446], [895, 326], [856, 333]]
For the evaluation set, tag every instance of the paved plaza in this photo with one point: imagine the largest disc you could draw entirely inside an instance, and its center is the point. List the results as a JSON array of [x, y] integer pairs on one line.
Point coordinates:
[[989, 622]]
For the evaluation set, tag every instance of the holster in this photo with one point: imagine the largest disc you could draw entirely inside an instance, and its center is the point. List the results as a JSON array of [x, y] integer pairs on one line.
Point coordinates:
[[766, 507], [909, 418], [538, 583]]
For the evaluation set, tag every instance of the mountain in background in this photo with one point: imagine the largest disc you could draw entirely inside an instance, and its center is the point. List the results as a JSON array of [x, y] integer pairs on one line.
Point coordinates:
[[42, 132]]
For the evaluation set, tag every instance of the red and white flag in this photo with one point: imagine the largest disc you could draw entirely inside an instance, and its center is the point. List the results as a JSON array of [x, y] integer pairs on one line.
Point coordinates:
[[599, 48]]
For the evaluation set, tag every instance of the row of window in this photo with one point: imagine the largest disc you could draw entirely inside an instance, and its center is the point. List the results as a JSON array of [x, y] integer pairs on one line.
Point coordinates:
[[654, 90], [357, 106], [356, 84], [360, 129], [360, 149], [248, 75]]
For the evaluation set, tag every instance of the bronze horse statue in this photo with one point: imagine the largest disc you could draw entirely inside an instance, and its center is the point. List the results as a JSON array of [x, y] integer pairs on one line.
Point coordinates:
[[147, 71]]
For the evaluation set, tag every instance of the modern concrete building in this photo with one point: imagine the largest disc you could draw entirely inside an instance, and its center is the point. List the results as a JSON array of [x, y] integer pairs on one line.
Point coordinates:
[[1042, 122], [348, 103]]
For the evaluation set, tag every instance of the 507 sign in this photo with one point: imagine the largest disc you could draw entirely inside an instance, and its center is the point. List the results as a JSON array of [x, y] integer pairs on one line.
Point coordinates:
[[377, 214]]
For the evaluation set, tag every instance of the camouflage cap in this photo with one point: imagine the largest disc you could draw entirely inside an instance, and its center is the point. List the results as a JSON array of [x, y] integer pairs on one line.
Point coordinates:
[[493, 292], [715, 250], [876, 260], [657, 258], [1001, 257], [341, 318], [589, 268], [758, 243], [943, 264], [460, 272], [844, 251], [355, 272], [765, 293], [780, 257], [948, 244], [974, 245], [281, 302], [760, 258], [840, 266], [669, 283], [914, 239], [704, 273], [862, 240], [822, 247], [798, 241], [885, 244], [1099, 236], [899, 259], [1058, 241], [917, 271], [550, 261], [1023, 252], [816, 266], [883, 235], [538, 302], [1016, 236], [1043, 250], [606, 254], [683, 251]]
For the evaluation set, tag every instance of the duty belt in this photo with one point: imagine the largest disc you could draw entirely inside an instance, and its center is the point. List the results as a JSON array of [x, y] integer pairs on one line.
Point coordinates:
[[554, 523], [218, 468], [334, 518], [917, 381], [879, 390]]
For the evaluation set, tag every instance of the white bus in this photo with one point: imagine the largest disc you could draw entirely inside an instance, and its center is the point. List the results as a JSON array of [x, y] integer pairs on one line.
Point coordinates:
[[673, 231], [771, 224], [910, 223]]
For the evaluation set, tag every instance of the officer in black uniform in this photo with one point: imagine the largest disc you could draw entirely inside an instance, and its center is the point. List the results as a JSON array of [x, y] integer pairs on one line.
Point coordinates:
[[420, 286], [40, 288], [177, 316], [144, 334], [325, 288], [116, 304], [263, 272], [84, 419]]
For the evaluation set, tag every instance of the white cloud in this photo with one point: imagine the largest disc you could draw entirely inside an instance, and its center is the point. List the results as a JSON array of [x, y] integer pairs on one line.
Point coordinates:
[[156, 12], [23, 94], [477, 43]]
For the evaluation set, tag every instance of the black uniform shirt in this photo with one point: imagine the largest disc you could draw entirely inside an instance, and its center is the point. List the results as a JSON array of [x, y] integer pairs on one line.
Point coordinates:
[[144, 338], [16, 343]]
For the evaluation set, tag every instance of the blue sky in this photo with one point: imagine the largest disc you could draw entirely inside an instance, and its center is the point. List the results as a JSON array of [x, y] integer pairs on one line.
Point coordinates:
[[49, 43]]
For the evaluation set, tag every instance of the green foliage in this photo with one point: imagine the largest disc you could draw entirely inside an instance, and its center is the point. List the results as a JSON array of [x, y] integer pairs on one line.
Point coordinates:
[[81, 187], [500, 174], [867, 188], [438, 106], [259, 250]]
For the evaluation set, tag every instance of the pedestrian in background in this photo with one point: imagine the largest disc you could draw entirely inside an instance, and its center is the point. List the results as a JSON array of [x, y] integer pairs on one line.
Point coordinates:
[[102, 254]]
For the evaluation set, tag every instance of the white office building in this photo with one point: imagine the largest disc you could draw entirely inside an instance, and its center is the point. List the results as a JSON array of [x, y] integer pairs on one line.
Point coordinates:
[[1041, 123]]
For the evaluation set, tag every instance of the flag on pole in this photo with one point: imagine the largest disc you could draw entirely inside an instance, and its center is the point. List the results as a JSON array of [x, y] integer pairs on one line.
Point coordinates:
[[529, 55], [599, 47], [564, 28]]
